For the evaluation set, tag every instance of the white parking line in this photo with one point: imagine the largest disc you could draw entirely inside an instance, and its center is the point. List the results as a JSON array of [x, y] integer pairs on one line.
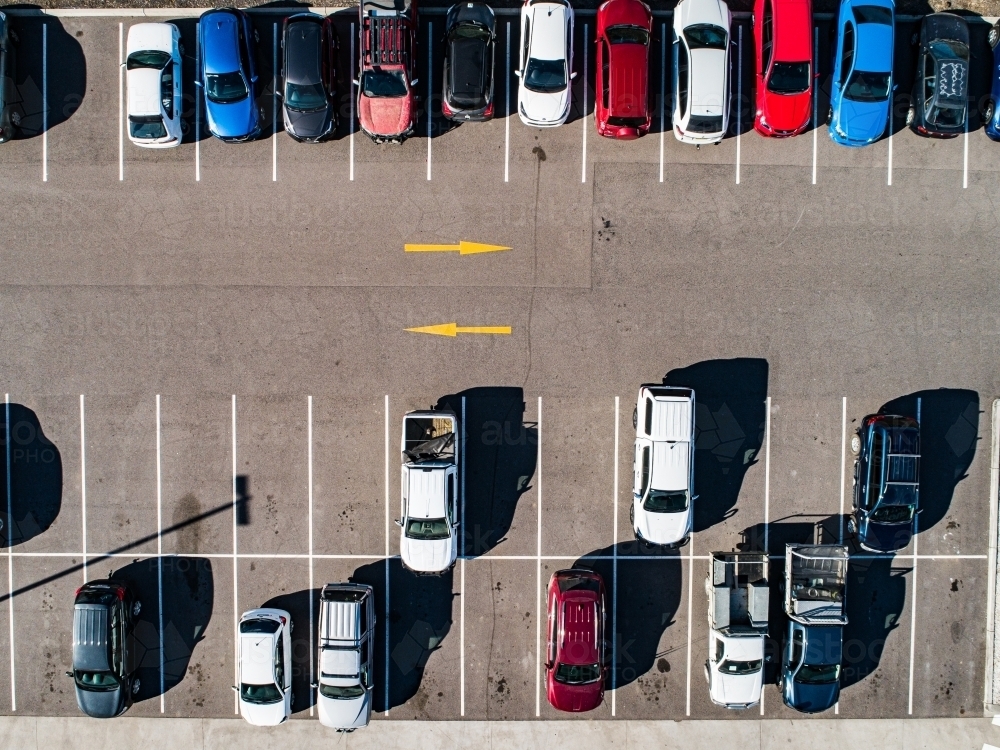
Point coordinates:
[[312, 637], [197, 108], [386, 553], [614, 576], [506, 120], [843, 468], [83, 485], [739, 99], [538, 574], [687, 710], [889, 172], [430, 90], [913, 584], [236, 611], [991, 566], [461, 632], [121, 103], [767, 474], [583, 169], [274, 131], [965, 157], [815, 98], [10, 547], [663, 95], [45, 102], [351, 97], [159, 552]]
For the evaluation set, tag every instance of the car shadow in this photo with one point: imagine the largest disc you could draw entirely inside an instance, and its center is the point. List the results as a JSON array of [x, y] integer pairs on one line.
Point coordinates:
[[39, 103], [297, 604], [420, 617], [188, 592], [35, 478], [500, 455], [729, 429], [876, 593]]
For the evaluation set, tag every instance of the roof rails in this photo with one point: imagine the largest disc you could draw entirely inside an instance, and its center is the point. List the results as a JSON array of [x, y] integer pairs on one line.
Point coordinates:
[[388, 40]]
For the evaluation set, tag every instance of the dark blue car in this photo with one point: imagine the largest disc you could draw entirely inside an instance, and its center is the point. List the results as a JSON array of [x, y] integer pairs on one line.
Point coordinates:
[[886, 482], [991, 117], [810, 667], [228, 74]]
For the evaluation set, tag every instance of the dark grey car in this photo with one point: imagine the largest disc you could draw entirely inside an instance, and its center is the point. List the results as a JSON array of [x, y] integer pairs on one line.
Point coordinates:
[[470, 40], [309, 72], [941, 84], [104, 671], [9, 118]]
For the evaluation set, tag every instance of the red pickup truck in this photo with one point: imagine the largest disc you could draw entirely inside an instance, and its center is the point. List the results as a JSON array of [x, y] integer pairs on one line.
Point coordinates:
[[386, 101]]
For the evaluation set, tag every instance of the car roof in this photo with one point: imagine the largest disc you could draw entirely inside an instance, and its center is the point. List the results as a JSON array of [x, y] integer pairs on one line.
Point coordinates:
[[548, 31], [426, 491], [257, 657], [823, 644], [303, 50], [708, 81], [670, 466], [579, 618], [671, 417], [629, 79], [874, 48], [340, 620], [143, 91], [91, 626], [219, 29], [468, 66], [792, 30]]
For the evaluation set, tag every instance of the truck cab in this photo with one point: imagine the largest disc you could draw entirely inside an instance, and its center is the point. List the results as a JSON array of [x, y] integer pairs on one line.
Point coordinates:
[[346, 633], [663, 465], [387, 65], [429, 510]]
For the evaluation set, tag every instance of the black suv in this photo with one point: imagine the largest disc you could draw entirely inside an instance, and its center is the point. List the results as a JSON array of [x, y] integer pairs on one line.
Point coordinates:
[[104, 670], [886, 482], [470, 38], [9, 117], [941, 79]]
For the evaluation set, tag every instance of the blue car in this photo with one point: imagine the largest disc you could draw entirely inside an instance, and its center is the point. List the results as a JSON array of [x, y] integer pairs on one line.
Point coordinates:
[[228, 75], [991, 117], [862, 72]]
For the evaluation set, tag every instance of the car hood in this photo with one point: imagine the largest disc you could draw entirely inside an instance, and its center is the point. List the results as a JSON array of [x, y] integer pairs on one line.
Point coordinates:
[[344, 714], [662, 528], [267, 715], [150, 36], [737, 689], [575, 697], [234, 120], [862, 121], [545, 107], [690, 12], [307, 124], [100, 704], [813, 698], [425, 556], [388, 116], [785, 111], [886, 537]]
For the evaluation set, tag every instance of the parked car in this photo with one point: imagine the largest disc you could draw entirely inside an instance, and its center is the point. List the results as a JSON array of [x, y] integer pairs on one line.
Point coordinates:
[[228, 75], [663, 465], [701, 71], [575, 664], [469, 48], [940, 104], [153, 80], [862, 72], [105, 613], [886, 482], [346, 648], [545, 63], [309, 89], [10, 118], [622, 108], [387, 110], [783, 45], [265, 666], [991, 117]]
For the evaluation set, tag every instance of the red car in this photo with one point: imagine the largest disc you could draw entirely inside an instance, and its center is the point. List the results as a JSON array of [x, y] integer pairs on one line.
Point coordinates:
[[622, 86], [783, 44], [575, 667], [386, 109]]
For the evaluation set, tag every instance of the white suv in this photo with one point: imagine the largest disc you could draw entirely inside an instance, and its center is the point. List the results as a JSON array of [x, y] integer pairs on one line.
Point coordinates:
[[546, 57], [701, 71], [153, 75], [663, 466], [265, 666]]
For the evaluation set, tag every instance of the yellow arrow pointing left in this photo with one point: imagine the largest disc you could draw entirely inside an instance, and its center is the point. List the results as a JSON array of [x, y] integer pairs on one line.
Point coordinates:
[[462, 248], [452, 330]]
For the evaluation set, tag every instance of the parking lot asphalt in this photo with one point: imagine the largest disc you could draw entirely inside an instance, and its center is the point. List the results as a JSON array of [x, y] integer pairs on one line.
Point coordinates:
[[206, 358]]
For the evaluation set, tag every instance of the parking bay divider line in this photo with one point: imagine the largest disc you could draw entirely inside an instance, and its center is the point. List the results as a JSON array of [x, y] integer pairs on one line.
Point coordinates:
[[913, 603], [10, 559], [614, 576], [663, 94], [312, 639], [538, 572], [739, 98], [159, 552], [236, 611], [45, 102], [351, 97], [506, 119], [461, 633], [274, 128], [121, 104], [386, 554], [197, 108], [83, 486], [430, 92], [815, 122], [583, 118]]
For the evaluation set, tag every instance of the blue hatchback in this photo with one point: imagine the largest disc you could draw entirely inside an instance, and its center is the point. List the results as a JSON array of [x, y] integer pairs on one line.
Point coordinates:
[[228, 74], [991, 117], [860, 96]]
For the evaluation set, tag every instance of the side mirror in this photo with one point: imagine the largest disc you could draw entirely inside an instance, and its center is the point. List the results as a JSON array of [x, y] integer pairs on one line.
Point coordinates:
[[253, 79], [517, 73], [399, 523], [548, 665], [69, 674], [415, 81], [314, 685], [572, 75], [121, 65], [235, 689], [454, 526], [695, 497], [198, 84], [895, 86]]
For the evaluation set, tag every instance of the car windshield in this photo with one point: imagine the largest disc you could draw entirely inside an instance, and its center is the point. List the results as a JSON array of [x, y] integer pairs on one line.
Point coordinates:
[[259, 625], [893, 514], [873, 14], [578, 674], [818, 674], [867, 87], [427, 528], [96, 681], [378, 84], [341, 693], [628, 35], [899, 494], [260, 694], [665, 502], [789, 78], [740, 667], [146, 127], [705, 36], [306, 97], [703, 124], [147, 59], [545, 76], [226, 88]]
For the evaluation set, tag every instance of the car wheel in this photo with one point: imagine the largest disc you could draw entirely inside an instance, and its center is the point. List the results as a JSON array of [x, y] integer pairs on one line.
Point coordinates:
[[911, 115], [180, 47], [915, 38], [635, 417], [291, 627], [256, 36], [136, 684], [15, 118], [988, 111], [852, 528], [631, 514], [993, 37], [12, 35], [829, 115], [136, 608], [855, 444]]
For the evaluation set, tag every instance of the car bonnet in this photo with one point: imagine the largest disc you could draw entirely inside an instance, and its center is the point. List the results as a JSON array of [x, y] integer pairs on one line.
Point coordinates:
[[220, 50]]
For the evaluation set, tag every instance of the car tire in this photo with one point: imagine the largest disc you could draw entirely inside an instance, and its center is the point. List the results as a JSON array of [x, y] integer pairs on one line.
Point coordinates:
[[988, 110], [631, 513], [829, 115], [15, 119], [136, 684], [256, 36], [855, 444], [993, 37], [911, 115], [915, 38], [635, 417], [180, 47], [12, 35], [136, 608], [852, 528], [291, 627]]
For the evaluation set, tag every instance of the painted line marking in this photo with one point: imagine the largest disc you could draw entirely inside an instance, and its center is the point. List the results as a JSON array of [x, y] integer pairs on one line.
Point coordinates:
[[843, 468], [815, 99], [614, 577], [965, 157], [913, 604], [452, 330], [687, 709], [465, 441], [767, 475], [236, 611], [386, 554], [739, 98], [506, 120], [45, 102], [121, 102], [159, 552], [312, 637], [197, 108], [996, 720], [889, 171], [274, 129], [430, 92], [988, 696], [663, 97], [83, 485], [583, 168], [538, 574], [10, 560], [352, 120], [464, 247]]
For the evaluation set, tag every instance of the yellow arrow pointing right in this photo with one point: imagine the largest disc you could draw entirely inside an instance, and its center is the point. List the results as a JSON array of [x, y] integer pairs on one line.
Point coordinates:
[[452, 330], [462, 248]]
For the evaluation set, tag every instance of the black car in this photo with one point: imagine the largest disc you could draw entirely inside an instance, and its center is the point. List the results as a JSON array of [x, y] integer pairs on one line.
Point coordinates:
[[886, 482], [9, 117], [940, 102], [470, 40], [105, 613], [309, 47], [810, 666]]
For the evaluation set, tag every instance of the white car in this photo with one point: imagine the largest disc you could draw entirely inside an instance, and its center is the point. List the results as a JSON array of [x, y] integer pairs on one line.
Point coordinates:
[[544, 94], [346, 652], [153, 79], [663, 467], [701, 71], [265, 666]]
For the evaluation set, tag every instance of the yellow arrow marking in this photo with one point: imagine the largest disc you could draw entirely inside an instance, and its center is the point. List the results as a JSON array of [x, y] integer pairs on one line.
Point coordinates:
[[462, 248], [450, 329]]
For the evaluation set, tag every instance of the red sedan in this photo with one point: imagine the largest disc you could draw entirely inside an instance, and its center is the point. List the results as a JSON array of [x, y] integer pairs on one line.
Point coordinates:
[[574, 659], [783, 44], [622, 85]]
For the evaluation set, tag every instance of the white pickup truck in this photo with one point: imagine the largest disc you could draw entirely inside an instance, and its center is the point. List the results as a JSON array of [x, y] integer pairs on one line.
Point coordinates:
[[346, 632], [429, 514], [737, 620], [663, 465]]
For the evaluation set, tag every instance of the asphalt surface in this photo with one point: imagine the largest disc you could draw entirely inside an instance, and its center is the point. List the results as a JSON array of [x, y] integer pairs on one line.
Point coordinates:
[[208, 358]]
